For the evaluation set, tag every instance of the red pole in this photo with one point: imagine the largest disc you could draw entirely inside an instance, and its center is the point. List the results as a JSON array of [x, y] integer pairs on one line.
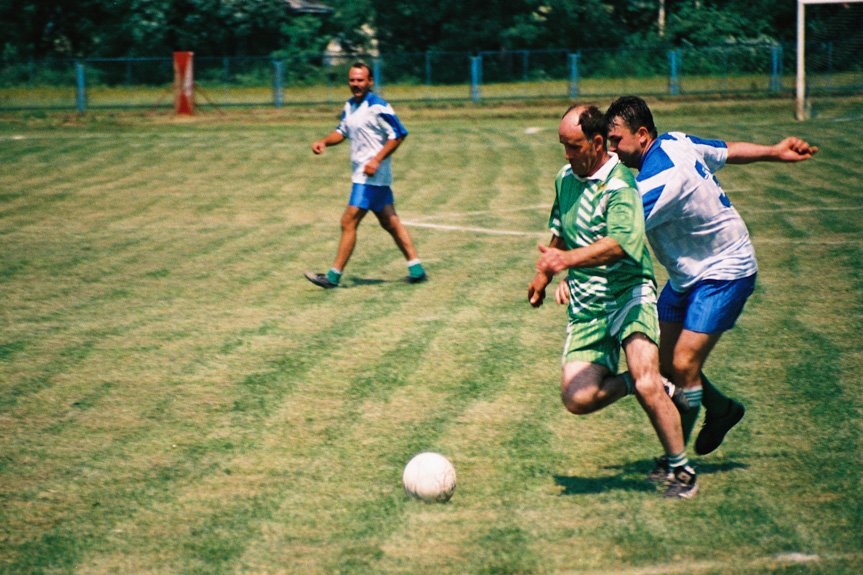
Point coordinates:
[[184, 84]]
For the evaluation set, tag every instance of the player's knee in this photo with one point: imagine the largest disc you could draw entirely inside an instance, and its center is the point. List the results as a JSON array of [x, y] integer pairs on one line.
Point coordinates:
[[648, 387], [578, 402], [685, 370], [390, 224], [348, 223]]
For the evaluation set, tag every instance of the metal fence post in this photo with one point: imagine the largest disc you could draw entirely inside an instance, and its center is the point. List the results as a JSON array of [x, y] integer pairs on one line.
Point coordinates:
[[278, 65], [226, 76], [80, 95], [475, 77], [673, 80], [776, 74], [379, 81], [573, 74]]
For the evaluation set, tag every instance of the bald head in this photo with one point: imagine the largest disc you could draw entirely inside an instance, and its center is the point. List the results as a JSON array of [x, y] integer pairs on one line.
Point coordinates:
[[583, 132]]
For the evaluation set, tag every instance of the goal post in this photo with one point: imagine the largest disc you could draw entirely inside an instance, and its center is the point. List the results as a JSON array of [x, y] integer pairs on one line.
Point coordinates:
[[801, 107]]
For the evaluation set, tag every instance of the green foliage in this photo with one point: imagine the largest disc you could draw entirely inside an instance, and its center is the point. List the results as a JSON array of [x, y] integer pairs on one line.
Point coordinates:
[[141, 28]]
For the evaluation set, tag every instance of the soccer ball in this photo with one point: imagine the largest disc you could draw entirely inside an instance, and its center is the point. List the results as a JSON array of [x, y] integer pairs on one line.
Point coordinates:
[[429, 477]]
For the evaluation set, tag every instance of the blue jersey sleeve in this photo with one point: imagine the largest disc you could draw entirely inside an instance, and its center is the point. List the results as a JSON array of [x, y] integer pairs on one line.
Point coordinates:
[[714, 152]]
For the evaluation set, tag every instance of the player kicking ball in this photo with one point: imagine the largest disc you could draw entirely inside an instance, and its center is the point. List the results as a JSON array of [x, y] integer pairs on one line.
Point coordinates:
[[610, 291]]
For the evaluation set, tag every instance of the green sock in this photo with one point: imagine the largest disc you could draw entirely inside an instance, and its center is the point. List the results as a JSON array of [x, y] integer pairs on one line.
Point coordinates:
[[334, 275], [415, 268], [688, 419], [678, 460], [713, 400], [629, 382]]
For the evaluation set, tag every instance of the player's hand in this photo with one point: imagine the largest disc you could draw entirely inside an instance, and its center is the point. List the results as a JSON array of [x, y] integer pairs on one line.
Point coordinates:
[[371, 167], [318, 147], [551, 261], [795, 150], [536, 290], [561, 294]]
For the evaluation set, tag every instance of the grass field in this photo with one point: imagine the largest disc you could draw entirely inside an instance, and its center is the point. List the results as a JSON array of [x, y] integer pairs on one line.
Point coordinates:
[[211, 93], [176, 398]]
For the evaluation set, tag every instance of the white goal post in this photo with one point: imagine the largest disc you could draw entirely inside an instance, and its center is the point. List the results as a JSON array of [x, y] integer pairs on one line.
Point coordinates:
[[800, 99]]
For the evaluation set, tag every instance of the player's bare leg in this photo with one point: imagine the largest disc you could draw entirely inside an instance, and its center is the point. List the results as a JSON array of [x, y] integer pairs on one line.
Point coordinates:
[[683, 354], [390, 221], [690, 350], [642, 357], [350, 222], [587, 387]]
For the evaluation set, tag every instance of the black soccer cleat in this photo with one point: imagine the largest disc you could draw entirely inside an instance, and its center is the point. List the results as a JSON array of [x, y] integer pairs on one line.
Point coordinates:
[[661, 474], [714, 429], [320, 280], [678, 398], [683, 484], [417, 280]]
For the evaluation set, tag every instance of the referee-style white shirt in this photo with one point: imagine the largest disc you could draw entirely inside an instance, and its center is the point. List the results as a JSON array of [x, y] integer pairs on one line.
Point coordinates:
[[692, 227], [368, 125]]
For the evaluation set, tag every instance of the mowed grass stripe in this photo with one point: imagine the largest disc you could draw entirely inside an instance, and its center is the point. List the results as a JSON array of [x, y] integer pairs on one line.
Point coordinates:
[[191, 430], [337, 435]]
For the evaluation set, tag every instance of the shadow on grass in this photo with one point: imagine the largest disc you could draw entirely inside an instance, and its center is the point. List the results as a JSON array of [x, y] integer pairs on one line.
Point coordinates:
[[710, 468], [631, 477], [574, 485], [369, 281], [644, 466]]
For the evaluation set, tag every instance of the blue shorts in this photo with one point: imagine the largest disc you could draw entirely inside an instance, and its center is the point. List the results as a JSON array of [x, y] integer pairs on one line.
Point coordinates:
[[711, 306], [372, 198]]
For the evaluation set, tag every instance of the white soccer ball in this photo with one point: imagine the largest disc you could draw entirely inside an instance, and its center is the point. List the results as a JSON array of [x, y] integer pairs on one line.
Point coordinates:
[[429, 477]]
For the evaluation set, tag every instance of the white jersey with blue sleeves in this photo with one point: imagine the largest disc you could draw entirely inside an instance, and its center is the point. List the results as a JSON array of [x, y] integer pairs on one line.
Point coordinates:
[[692, 227], [368, 125]]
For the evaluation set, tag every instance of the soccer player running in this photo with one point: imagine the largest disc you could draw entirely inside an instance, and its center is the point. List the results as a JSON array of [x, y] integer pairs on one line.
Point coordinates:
[[598, 236], [375, 133], [702, 241]]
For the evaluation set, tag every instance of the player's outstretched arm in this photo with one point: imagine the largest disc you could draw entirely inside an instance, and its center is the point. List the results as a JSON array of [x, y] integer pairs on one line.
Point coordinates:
[[788, 150], [331, 139], [603, 252]]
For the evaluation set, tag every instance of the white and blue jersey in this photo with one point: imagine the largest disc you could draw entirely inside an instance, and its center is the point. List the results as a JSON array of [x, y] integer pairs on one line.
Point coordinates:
[[692, 227], [368, 125]]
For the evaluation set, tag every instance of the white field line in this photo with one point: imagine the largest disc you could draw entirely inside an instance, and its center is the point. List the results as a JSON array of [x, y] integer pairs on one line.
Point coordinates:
[[474, 230], [422, 222], [796, 242], [801, 209], [822, 242], [482, 212], [760, 563]]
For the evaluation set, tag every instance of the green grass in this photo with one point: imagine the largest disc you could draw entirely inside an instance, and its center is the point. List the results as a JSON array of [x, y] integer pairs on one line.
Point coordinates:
[[176, 398], [214, 93]]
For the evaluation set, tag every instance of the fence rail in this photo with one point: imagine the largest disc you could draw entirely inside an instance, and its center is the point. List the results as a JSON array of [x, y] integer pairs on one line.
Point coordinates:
[[433, 76]]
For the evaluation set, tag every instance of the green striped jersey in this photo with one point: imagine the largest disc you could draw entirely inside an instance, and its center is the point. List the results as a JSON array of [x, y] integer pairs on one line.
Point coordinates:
[[585, 210]]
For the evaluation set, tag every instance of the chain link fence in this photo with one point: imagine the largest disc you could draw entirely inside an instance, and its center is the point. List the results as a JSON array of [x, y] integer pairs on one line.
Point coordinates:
[[434, 76]]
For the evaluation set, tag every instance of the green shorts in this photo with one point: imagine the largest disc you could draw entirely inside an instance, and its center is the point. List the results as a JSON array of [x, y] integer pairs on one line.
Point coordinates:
[[599, 340]]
